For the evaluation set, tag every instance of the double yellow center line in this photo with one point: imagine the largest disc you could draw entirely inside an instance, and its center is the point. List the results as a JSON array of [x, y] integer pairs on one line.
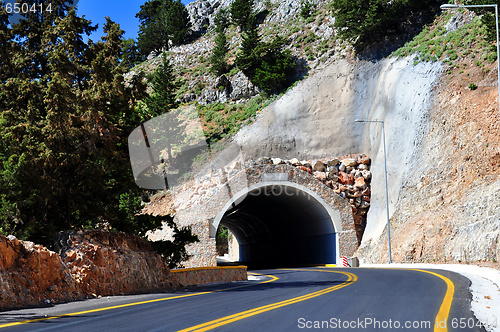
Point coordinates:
[[272, 278], [351, 278]]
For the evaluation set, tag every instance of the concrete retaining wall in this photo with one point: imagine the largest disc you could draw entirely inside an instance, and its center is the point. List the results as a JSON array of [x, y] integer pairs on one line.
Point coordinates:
[[208, 275]]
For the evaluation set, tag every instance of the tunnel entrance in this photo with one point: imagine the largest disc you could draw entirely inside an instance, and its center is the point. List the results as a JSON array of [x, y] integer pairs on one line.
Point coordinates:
[[281, 224]]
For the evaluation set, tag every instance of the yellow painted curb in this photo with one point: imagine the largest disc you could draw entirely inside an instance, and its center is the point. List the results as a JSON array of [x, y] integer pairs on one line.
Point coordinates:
[[208, 268]]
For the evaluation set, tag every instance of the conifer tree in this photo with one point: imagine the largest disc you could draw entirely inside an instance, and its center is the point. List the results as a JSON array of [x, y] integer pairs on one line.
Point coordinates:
[[241, 10], [131, 54], [250, 51], [164, 86], [162, 21], [178, 23], [63, 126], [264, 63], [152, 31], [162, 100], [218, 60]]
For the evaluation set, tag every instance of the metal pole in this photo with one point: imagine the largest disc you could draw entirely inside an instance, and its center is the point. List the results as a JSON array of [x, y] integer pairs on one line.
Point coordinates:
[[387, 197]]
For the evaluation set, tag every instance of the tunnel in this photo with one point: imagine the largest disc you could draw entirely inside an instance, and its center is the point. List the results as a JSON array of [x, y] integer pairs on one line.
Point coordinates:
[[282, 225]]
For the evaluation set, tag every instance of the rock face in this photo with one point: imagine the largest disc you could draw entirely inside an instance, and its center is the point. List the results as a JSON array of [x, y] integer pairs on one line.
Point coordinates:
[[31, 275], [91, 264], [202, 12], [107, 263]]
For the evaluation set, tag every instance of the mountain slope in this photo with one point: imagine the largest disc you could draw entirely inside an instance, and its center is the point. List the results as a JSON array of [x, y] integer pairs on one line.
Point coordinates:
[[441, 120]]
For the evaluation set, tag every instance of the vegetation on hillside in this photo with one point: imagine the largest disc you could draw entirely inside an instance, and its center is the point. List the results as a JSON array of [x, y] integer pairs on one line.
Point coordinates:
[[65, 115], [365, 22], [162, 22], [487, 16], [218, 59], [435, 43], [266, 64]]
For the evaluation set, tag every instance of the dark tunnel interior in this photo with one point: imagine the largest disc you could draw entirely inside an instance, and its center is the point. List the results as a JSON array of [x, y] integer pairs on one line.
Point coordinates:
[[281, 226]]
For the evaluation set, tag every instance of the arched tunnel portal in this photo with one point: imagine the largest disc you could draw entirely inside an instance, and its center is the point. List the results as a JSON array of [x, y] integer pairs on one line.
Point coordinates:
[[282, 224]]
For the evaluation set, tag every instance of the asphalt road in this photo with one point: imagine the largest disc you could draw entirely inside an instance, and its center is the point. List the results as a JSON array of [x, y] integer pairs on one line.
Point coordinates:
[[281, 300]]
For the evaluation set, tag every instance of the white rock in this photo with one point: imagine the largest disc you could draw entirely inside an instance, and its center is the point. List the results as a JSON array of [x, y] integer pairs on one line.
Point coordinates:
[[363, 167], [349, 162], [276, 161]]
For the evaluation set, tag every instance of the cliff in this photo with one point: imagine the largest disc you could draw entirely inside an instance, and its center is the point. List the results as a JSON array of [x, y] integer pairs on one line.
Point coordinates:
[[91, 264]]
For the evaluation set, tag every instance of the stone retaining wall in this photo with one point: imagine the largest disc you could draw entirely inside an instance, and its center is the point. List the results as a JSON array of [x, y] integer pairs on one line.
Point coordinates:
[[208, 275]]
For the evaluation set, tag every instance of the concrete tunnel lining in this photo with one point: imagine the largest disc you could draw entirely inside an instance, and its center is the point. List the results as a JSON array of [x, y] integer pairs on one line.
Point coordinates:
[[281, 221]]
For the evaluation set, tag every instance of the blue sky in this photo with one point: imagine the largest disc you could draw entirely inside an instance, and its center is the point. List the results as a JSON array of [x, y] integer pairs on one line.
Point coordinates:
[[121, 11]]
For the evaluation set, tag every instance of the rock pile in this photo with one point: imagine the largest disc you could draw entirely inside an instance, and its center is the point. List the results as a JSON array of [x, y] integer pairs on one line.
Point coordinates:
[[348, 176]]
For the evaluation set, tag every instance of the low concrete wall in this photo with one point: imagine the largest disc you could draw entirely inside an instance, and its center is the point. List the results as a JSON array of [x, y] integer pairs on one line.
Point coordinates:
[[208, 275]]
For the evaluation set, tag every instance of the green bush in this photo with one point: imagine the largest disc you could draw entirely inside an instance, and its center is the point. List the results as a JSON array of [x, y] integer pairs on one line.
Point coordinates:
[[364, 22], [307, 9]]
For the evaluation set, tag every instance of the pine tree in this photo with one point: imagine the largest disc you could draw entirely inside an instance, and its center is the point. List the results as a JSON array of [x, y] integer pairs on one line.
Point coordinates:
[[218, 60], [162, 21], [164, 86], [162, 100], [264, 63], [276, 68], [131, 54], [241, 10], [178, 23], [250, 51], [64, 121]]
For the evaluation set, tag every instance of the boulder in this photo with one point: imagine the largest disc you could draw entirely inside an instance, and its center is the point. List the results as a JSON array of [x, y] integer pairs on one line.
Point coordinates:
[[241, 87], [349, 162], [363, 167], [334, 176], [305, 163], [364, 205], [333, 169], [277, 161], [363, 159], [318, 166], [345, 178], [360, 183], [333, 162]]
